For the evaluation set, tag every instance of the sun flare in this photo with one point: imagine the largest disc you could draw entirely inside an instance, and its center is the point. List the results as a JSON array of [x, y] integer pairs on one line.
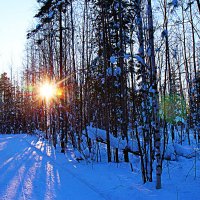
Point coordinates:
[[47, 90]]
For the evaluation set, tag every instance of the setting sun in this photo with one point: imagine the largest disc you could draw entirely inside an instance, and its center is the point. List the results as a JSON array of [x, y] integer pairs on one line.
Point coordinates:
[[47, 91]]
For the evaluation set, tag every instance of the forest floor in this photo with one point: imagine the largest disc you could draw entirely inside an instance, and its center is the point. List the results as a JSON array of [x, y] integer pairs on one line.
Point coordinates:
[[30, 169]]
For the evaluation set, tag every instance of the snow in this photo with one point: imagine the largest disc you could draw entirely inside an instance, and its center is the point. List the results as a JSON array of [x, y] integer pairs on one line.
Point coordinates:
[[31, 169], [140, 59], [116, 71], [96, 133], [116, 6], [109, 71], [126, 56], [113, 59], [175, 3], [175, 151], [148, 52], [50, 16], [185, 151], [151, 90], [59, 3], [179, 119], [138, 20]]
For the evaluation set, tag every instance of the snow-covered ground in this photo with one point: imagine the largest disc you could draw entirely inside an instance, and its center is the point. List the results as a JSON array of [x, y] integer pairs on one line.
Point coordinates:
[[30, 169]]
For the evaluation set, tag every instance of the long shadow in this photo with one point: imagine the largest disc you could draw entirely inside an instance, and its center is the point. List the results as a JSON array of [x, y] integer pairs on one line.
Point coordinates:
[[27, 175], [32, 171]]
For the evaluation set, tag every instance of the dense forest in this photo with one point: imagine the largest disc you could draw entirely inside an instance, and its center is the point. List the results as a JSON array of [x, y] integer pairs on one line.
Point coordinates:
[[126, 75]]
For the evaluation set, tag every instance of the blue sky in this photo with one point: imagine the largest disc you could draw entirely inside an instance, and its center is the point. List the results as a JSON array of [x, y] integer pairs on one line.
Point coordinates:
[[16, 17]]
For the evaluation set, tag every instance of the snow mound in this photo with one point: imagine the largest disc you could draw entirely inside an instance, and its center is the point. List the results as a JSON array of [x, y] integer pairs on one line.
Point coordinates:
[[185, 151], [174, 150], [115, 142]]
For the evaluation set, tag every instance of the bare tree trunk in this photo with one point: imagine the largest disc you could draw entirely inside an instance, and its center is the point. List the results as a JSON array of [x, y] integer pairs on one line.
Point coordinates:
[[123, 84], [61, 117], [140, 35], [195, 66], [106, 83], [187, 75], [155, 120]]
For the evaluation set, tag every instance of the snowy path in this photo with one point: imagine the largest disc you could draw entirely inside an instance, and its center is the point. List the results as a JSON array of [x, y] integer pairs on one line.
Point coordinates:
[[27, 173], [30, 169]]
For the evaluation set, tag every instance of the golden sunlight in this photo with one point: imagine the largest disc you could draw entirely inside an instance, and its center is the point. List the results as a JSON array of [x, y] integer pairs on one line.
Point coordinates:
[[47, 90]]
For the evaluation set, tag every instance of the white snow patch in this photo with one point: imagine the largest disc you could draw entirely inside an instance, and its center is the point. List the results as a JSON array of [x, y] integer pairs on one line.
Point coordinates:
[[113, 59]]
